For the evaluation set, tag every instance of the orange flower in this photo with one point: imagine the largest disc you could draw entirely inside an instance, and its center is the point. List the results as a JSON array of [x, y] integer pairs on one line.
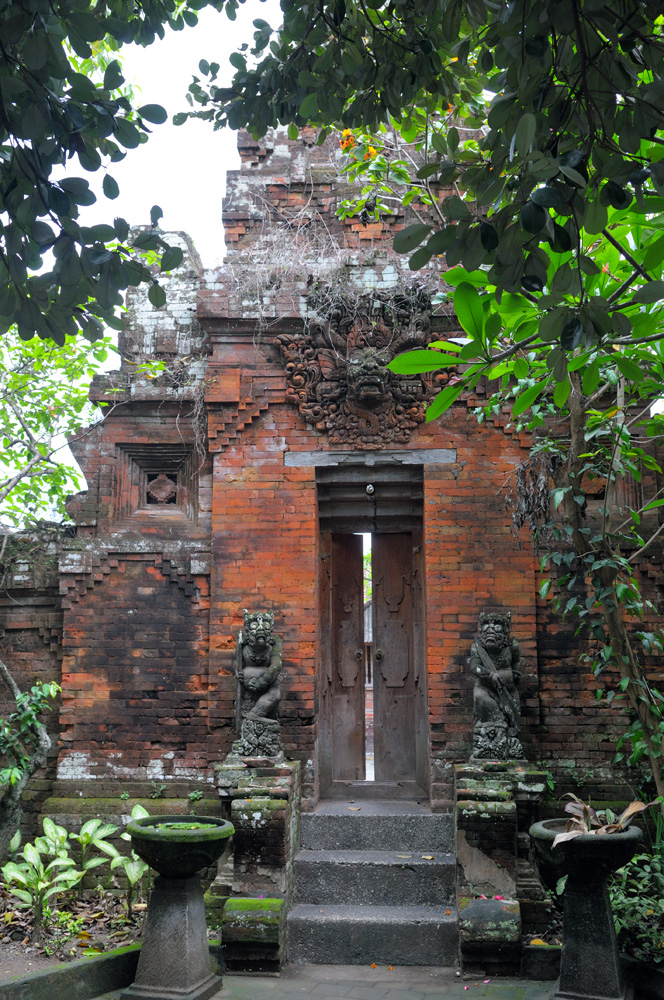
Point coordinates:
[[373, 965], [347, 140]]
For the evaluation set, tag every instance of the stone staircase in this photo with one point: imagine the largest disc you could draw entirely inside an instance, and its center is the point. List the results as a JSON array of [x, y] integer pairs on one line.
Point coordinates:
[[375, 882]]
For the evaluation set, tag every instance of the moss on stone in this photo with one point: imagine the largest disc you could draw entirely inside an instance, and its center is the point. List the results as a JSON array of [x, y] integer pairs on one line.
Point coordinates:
[[240, 904], [486, 809]]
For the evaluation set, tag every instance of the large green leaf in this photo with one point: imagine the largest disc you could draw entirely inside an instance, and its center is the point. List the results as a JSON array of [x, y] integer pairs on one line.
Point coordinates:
[[407, 239], [653, 291], [31, 855], [422, 360], [469, 309], [526, 398], [525, 134], [153, 113], [444, 400]]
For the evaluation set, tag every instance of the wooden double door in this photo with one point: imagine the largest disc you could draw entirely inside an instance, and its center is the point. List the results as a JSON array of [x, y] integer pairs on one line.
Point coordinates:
[[397, 668]]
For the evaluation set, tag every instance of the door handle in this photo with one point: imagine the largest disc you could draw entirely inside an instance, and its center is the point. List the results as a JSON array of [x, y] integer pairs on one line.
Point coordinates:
[[379, 654], [359, 654]]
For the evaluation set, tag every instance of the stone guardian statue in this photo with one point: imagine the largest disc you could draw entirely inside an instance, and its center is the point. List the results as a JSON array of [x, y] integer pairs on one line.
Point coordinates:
[[494, 661], [257, 668]]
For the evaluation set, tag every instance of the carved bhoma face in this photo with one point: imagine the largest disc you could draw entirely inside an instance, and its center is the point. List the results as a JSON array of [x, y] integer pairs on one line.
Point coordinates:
[[494, 633], [258, 626], [367, 378]]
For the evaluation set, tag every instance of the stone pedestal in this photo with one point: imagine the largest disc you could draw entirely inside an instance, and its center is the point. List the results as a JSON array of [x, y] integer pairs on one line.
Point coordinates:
[[496, 802], [175, 959], [590, 967], [589, 964], [254, 885]]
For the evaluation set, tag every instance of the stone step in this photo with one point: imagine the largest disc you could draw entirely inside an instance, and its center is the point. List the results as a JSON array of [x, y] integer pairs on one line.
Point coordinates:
[[382, 878], [363, 829], [360, 935]]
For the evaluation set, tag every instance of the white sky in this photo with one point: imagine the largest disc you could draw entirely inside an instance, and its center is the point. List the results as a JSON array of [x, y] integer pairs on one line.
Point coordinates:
[[183, 170]]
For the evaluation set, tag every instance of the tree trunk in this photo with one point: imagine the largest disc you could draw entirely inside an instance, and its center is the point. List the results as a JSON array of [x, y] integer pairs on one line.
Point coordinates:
[[613, 614], [630, 668], [11, 806]]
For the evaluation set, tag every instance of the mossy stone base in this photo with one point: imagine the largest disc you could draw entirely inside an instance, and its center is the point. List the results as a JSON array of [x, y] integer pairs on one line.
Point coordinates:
[[490, 936], [540, 961], [253, 934]]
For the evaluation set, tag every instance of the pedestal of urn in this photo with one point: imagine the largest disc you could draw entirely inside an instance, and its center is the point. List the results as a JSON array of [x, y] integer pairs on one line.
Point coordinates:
[[174, 963], [590, 964]]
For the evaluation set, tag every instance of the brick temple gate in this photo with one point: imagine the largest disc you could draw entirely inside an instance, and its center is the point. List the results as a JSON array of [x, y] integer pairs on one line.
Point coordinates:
[[238, 479]]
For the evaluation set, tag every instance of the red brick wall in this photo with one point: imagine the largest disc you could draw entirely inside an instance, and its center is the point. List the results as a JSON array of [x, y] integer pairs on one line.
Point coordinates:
[[473, 563], [134, 702], [265, 556]]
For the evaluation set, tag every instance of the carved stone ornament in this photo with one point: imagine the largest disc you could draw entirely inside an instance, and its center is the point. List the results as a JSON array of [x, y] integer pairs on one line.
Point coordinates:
[[336, 369], [258, 665], [162, 489], [260, 738], [495, 659]]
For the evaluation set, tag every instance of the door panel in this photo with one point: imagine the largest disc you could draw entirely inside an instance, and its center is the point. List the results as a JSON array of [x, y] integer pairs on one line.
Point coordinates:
[[347, 658], [395, 687], [393, 654]]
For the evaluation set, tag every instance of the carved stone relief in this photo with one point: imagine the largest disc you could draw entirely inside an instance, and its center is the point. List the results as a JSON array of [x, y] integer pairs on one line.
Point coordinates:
[[495, 662], [337, 374], [258, 666]]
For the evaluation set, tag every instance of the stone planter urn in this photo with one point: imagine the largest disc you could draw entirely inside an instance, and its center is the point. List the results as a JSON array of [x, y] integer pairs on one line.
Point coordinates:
[[174, 963], [589, 965]]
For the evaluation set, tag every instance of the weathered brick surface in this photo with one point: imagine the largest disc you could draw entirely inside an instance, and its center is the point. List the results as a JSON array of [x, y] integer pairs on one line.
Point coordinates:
[[30, 643], [152, 595], [134, 684]]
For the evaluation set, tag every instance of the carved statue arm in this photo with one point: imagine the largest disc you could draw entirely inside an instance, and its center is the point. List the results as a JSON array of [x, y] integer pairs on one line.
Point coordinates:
[[274, 668], [479, 668]]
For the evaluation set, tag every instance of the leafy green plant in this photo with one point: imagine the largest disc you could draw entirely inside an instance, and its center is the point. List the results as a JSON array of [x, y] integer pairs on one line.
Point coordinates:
[[560, 884], [93, 835], [637, 899], [55, 840], [124, 796], [64, 926], [67, 112], [32, 882], [157, 790], [196, 795], [17, 731], [587, 820], [24, 745], [133, 867]]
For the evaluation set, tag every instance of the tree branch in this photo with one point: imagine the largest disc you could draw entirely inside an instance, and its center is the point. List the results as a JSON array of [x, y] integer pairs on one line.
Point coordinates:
[[626, 254]]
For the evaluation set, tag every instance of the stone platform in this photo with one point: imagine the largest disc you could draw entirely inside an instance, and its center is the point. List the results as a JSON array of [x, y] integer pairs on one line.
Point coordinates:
[[339, 982]]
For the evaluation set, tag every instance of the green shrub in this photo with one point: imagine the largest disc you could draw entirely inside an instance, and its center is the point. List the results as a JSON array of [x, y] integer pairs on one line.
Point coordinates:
[[637, 898]]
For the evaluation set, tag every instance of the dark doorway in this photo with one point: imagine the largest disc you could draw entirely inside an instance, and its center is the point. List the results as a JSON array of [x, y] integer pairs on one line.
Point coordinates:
[[385, 674]]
